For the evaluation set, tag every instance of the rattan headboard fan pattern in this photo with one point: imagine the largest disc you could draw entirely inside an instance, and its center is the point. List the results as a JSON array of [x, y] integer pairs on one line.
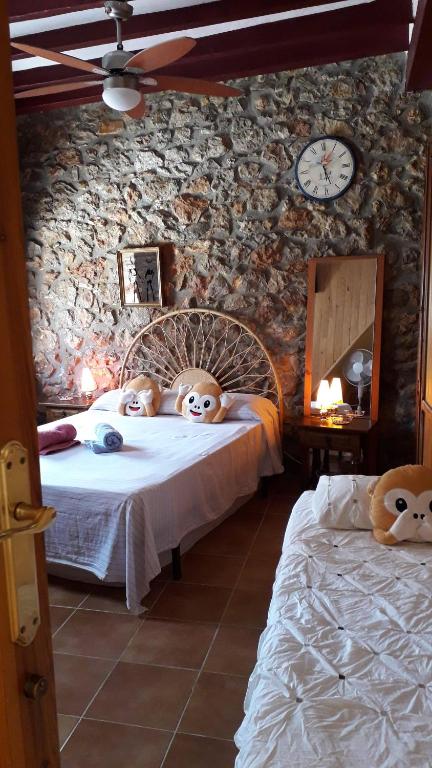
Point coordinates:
[[192, 344]]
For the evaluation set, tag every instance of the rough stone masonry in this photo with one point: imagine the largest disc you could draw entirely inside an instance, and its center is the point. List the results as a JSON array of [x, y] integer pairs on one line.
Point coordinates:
[[213, 182]]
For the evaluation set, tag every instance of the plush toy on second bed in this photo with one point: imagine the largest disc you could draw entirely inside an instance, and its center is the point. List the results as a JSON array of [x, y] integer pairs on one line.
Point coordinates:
[[203, 402], [140, 397], [401, 505]]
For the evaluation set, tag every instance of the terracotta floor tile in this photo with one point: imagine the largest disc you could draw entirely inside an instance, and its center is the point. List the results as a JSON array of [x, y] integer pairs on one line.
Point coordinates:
[[210, 569], [108, 745], [77, 679], [216, 706], [66, 724], [270, 536], [232, 537], [234, 651], [100, 634], [200, 752], [248, 607], [191, 602], [258, 572], [281, 504], [170, 643], [66, 593], [104, 598], [156, 588], [138, 694], [285, 483], [58, 616], [257, 503]]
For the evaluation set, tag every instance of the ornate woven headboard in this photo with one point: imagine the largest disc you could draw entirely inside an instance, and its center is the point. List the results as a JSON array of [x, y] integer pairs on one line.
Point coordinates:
[[192, 344]]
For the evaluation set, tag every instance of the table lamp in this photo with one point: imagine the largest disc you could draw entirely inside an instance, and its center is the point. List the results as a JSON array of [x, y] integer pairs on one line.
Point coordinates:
[[88, 384], [323, 397]]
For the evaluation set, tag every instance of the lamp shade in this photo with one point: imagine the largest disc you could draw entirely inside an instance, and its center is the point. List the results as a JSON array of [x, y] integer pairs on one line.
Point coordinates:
[[88, 383], [336, 395], [121, 99], [323, 396]]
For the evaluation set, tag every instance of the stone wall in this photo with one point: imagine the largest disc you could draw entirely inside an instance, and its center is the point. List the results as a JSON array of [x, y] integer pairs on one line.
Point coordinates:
[[213, 182]]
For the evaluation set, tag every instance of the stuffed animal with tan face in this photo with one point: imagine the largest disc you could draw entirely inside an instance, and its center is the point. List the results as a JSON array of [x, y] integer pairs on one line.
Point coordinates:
[[140, 397], [401, 505], [204, 403]]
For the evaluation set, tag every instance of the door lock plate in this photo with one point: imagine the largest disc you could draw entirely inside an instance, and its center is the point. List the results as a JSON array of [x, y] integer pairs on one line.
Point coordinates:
[[19, 521]]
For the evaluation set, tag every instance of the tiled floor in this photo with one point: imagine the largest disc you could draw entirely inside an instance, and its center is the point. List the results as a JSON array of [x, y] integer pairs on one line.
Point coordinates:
[[167, 689]]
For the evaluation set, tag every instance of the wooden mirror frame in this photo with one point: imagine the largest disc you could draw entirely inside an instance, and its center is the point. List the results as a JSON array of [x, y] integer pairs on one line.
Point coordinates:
[[379, 286]]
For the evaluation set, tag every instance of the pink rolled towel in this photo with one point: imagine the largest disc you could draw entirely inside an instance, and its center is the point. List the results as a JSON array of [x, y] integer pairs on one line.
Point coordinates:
[[57, 439]]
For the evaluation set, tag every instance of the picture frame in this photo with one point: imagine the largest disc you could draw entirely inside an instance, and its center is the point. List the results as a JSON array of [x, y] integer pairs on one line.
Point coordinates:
[[140, 277]]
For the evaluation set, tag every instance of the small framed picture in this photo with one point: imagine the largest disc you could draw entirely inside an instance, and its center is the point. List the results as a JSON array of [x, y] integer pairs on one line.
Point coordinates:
[[139, 276]]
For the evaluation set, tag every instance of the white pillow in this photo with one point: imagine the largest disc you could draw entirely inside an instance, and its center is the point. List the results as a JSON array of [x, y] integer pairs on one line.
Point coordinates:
[[342, 501], [249, 407], [108, 401], [168, 401], [244, 406]]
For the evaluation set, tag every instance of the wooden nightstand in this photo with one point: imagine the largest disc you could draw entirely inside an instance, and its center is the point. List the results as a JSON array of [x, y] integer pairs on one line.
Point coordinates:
[[359, 438], [54, 409]]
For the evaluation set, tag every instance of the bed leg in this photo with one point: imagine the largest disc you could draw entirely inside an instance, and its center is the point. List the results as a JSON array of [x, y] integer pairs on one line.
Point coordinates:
[[176, 563]]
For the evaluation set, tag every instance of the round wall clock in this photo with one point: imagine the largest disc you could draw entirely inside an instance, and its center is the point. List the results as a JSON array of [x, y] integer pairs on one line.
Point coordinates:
[[325, 168]]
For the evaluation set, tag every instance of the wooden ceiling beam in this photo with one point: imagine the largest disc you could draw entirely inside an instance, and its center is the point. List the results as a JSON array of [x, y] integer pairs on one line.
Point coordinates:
[[260, 56], [419, 62], [21, 10], [375, 22], [162, 22]]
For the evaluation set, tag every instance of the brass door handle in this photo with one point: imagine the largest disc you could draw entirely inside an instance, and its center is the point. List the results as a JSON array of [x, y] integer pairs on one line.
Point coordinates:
[[40, 517], [18, 520]]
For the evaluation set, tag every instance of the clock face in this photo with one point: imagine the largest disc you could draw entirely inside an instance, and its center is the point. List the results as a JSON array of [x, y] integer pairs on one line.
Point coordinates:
[[325, 168]]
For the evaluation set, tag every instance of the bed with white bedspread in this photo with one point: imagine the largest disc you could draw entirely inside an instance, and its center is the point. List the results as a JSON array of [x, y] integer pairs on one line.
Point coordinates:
[[117, 511], [344, 671]]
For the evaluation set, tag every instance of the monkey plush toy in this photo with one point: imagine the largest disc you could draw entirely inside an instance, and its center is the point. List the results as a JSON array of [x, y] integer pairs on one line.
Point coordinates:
[[401, 505], [140, 397], [203, 403]]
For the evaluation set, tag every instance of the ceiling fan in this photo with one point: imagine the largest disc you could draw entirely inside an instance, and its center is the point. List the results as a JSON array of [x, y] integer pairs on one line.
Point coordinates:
[[125, 74]]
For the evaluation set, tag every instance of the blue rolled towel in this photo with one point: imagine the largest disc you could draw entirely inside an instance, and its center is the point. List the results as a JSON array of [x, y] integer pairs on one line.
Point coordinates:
[[107, 440]]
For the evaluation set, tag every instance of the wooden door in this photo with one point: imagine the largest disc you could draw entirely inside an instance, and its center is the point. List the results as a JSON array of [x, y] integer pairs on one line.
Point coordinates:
[[28, 727], [424, 395]]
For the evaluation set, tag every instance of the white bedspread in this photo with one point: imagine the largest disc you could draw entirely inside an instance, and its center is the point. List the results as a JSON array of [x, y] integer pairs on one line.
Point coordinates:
[[116, 511], [344, 671]]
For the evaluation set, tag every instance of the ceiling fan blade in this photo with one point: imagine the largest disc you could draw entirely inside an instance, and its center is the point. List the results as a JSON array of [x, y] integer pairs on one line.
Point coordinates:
[[60, 58], [192, 85], [45, 90], [162, 54], [139, 111]]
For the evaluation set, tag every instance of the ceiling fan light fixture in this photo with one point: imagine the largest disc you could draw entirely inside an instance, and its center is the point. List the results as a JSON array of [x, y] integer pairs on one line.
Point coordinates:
[[121, 93]]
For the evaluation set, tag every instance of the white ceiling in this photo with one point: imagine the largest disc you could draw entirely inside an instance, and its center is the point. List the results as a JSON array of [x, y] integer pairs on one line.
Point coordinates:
[[27, 28]]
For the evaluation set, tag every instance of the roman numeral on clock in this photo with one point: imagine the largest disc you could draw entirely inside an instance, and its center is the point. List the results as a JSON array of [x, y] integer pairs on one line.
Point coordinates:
[[307, 183], [343, 176], [315, 190]]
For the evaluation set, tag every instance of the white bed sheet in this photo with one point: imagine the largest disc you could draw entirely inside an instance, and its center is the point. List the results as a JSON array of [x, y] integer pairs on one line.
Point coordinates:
[[116, 511], [344, 671]]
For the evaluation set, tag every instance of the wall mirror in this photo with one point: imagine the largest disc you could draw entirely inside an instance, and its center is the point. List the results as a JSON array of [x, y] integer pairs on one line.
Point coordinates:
[[343, 334]]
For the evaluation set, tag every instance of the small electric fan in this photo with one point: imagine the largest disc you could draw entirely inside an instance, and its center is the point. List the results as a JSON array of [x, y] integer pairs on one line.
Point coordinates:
[[357, 369]]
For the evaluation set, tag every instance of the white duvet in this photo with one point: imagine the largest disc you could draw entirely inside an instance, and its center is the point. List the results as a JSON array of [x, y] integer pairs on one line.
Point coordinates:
[[344, 671], [117, 511]]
